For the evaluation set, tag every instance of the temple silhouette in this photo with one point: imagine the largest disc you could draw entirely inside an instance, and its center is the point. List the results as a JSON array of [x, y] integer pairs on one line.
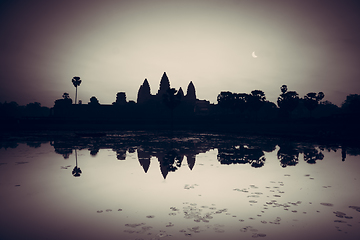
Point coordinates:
[[145, 96], [167, 103]]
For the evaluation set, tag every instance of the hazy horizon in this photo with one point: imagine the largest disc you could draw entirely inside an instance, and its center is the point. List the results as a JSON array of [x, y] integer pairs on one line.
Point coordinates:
[[114, 45]]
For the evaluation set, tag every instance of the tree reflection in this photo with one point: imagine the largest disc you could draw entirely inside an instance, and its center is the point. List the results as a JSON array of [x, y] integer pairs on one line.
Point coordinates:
[[65, 152], [76, 171], [9, 144], [121, 154], [120, 150], [34, 144], [311, 155], [288, 155], [241, 155], [94, 151], [258, 162], [343, 152]]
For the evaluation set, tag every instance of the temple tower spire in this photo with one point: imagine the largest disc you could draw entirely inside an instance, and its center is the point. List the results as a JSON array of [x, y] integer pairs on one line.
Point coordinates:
[[144, 92], [164, 85], [191, 93]]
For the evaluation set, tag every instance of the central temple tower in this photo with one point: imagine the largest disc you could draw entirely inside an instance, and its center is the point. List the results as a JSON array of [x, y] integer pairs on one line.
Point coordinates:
[[164, 85]]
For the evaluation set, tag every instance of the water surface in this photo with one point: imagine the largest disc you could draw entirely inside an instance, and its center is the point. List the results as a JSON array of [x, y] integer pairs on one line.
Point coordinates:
[[141, 185]]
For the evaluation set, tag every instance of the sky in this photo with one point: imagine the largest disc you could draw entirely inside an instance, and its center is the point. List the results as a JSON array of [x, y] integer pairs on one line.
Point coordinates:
[[308, 45]]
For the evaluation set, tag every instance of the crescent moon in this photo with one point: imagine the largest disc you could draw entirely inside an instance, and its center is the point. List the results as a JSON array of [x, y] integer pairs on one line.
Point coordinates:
[[253, 54]]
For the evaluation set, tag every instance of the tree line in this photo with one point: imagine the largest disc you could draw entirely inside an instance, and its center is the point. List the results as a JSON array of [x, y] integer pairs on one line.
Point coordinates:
[[253, 105], [30, 110], [289, 105]]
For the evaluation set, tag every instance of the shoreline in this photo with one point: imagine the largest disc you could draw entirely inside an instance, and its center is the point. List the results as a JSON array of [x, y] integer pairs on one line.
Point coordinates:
[[327, 132]]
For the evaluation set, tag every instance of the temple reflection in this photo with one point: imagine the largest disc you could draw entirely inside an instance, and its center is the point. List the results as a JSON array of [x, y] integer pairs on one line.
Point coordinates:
[[144, 159], [170, 156]]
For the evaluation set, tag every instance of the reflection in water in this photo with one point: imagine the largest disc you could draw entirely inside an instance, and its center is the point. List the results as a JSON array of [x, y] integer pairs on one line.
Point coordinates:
[[311, 155], [288, 154], [64, 151], [217, 186], [170, 151], [144, 159], [242, 155], [76, 171], [94, 150]]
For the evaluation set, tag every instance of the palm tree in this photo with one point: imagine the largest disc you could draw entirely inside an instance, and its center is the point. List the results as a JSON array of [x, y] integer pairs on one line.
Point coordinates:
[[287, 101], [76, 82]]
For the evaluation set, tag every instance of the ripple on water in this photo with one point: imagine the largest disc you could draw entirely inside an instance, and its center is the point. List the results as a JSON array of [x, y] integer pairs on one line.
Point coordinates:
[[221, 211], [241, 190], [134, 225], [192, 186], [170, 224], [339, 214], [174, 209], [327, 204], [340, 221], [276, 221], [162, 234], [355, 207], [194, 229], [255, 235]]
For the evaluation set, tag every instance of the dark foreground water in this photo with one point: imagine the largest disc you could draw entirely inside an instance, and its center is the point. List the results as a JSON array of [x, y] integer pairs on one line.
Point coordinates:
[[139, 185]]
